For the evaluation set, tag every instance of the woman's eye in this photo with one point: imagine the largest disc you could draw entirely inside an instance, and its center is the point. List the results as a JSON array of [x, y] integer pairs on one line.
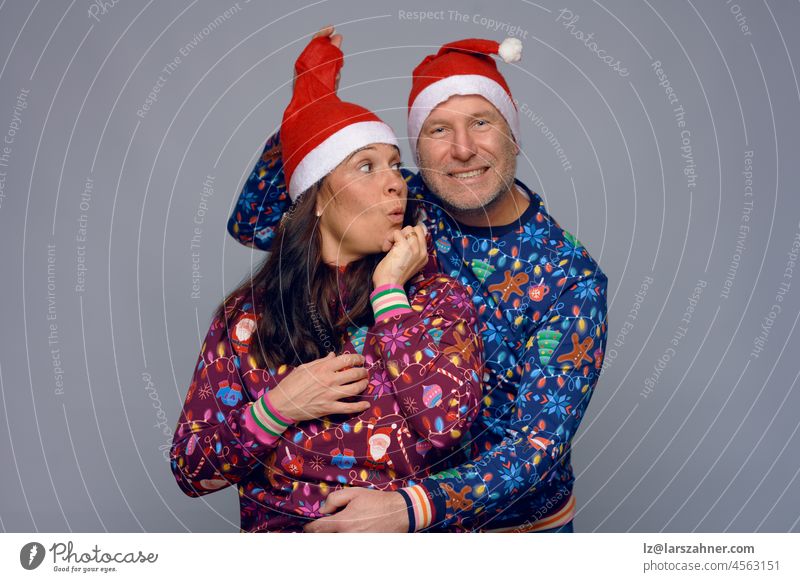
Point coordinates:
[[397, 166], [365, 168]]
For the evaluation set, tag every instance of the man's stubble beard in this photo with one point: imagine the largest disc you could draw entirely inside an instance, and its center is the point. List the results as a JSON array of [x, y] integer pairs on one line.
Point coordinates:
[[451, 205]]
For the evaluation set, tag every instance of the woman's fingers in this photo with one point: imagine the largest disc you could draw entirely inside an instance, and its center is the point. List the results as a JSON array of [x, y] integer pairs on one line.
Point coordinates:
[[388, 242], [400, 236], [415, 236], [406, 239], [423, 244]]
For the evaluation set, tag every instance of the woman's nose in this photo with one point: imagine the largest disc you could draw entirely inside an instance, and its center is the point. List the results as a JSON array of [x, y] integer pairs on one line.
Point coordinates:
[[395, 185]]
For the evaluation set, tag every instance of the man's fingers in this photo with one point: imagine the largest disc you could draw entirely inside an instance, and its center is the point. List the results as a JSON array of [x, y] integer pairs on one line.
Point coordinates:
[[349, 407], [355, 388], [336, 39], [326, 358], [338, 499], [350, 375], [324, 31], [322, 525], [346, 361]]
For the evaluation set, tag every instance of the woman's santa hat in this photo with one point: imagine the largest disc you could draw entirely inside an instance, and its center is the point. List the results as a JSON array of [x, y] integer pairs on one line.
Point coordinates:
[[463, 67], [319, 130]]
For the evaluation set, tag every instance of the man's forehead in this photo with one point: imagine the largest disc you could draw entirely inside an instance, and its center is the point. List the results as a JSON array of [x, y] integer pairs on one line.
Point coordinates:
[[463, 105]]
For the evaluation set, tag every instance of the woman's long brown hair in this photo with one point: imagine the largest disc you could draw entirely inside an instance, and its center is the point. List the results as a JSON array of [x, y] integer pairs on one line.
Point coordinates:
[[292, 287]]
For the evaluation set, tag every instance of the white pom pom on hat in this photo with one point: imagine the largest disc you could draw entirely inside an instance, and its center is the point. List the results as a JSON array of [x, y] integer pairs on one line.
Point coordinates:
[[510, 50]]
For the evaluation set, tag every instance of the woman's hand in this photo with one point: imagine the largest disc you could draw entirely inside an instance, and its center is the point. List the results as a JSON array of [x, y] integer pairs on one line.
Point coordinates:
[[408, 253], [313, 390]]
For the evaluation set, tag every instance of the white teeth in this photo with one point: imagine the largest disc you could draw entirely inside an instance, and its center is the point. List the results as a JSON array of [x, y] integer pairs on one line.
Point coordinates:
[[471, 174]]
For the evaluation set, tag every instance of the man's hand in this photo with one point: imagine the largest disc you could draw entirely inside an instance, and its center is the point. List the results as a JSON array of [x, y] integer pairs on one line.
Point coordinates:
[[336, 40], [365, 510]]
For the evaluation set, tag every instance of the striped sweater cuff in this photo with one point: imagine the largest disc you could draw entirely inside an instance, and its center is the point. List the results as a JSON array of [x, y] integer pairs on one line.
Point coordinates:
[[421, 506], [269, 420], [412, 527], [389, 300]]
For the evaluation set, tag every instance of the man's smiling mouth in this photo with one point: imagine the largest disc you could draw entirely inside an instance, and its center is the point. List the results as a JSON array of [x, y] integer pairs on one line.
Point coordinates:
[[468, 174]]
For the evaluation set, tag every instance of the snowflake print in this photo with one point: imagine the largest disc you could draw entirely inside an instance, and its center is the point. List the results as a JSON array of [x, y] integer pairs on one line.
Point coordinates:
[[460, 301], [512, 475], [567, 250], [246, 199], [381, 385], [556, 404], [494, 333], [586, 289], [410, 404], [532, 234], [394, 339], [309, 509], [316, 463], [204, 392]]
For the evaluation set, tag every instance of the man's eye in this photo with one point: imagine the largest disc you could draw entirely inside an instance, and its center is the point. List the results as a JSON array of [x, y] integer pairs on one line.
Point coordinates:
[[481, 122], [368, 167], [437, 130]]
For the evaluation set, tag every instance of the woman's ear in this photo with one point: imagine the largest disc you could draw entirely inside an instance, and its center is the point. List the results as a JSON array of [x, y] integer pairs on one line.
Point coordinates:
[[322, 200], [324, 195], [319, 199]]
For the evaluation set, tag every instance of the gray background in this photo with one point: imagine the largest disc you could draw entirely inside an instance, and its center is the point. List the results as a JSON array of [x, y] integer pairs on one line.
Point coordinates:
[[712, 447]]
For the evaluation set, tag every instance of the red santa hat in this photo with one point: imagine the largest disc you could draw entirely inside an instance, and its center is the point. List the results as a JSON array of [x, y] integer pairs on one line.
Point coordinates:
[[463, 67], [319, 130]]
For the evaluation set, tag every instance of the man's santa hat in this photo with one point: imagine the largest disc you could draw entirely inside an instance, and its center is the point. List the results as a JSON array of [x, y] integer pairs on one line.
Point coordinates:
[[319, 130], [463, 67]]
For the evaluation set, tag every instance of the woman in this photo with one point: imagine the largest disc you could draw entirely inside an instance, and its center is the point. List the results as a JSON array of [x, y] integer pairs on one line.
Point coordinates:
[[270, 407]]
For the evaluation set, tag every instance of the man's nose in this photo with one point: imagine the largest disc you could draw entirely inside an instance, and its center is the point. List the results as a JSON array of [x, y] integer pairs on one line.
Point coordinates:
[[462, 147]]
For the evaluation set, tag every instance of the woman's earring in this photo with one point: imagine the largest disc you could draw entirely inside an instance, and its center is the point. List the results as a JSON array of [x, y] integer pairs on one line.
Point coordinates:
[[319, 213]]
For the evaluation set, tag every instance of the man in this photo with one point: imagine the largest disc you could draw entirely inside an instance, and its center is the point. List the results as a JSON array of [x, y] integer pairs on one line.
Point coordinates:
[[540, 296]]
